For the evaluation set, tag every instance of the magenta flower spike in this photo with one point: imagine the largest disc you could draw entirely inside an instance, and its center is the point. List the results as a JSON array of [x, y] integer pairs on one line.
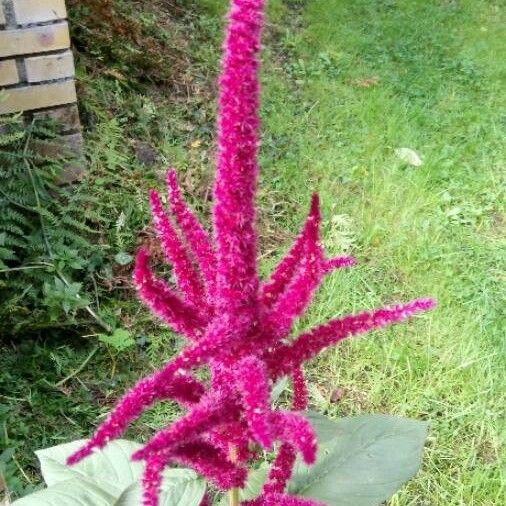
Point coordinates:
[[253, 385], [300, 393], [187, 279], [281, 500], [152, 479], [211, 462], [236, 172], [164, 302], [194, 234], [238, 326]]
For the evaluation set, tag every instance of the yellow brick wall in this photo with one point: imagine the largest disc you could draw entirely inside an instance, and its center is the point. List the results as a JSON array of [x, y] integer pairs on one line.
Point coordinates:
[[37, 71], [36, 64], [38, 11], [49, 67], [8, 72], [34, 40]]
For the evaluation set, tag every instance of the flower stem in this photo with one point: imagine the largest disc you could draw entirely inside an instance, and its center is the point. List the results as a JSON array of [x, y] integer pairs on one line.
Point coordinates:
[[233, 494], [233, 497]]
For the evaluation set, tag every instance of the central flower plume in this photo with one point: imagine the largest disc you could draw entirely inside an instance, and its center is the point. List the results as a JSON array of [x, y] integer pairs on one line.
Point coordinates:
[[237, 325]]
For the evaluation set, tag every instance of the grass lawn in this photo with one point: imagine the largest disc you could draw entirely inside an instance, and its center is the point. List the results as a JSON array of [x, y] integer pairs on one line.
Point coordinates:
[[345, 84], [359, 79]]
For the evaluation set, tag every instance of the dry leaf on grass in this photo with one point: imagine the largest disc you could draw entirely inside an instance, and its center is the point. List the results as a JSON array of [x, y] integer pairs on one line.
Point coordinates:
[[366, 82], [409, 156]]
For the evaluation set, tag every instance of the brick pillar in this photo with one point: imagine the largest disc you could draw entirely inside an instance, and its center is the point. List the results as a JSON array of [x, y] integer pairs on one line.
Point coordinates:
[[37, 67]]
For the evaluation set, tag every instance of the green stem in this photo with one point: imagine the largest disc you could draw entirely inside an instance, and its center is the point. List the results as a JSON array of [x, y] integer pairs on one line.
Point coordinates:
[[233, 497], [233, 494], [27, 267], [79, 369]]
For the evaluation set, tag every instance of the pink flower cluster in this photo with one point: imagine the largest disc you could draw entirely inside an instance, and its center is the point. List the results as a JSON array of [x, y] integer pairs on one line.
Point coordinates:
[[237, 325]]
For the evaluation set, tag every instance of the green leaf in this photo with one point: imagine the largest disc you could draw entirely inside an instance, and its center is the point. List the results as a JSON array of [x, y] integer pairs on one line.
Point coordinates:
[[74, 492], [253, 487], [324, 427], [120, 340], [110, 469], [278, 389], [107, 478], [123, 258], [180, 487], [367, 461], [7, 454]]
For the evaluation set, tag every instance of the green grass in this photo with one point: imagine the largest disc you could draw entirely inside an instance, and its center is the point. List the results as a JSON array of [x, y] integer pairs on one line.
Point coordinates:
[[346, 82]]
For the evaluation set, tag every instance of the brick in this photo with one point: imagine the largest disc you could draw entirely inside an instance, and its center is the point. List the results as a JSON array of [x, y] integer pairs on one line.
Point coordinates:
[[38, 39], [8, 72], [67, 117], [38, 11], [37, 97], [48, 67]]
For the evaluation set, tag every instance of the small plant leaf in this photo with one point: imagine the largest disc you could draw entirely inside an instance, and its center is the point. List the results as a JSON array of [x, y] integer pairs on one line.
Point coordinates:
[[123, 258], [120, 340], [74, 492], [110, 469], [369, 459], [180, 487]]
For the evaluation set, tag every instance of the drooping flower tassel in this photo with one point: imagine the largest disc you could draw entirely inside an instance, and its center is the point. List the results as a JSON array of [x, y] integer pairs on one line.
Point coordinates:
[[195, 236]]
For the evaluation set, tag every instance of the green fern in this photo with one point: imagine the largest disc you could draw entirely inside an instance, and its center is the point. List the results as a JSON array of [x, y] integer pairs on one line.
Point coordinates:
[[46, 234]]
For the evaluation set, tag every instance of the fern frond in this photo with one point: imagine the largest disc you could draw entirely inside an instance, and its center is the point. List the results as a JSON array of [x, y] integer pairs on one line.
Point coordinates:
[[44, 228]]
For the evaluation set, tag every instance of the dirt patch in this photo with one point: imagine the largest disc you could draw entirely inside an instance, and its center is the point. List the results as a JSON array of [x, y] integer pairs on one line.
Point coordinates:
[[114, 36]]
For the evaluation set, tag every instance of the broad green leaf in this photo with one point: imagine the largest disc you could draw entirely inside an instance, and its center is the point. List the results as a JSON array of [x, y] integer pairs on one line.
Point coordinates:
[[52, 462], [256, 479], [110, 468], [367, 461], [324, 427], [180, 487], [74, 492], [7, 454]]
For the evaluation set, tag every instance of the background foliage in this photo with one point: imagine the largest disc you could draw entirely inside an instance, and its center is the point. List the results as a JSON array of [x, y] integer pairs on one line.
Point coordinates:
[[46, 234]]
